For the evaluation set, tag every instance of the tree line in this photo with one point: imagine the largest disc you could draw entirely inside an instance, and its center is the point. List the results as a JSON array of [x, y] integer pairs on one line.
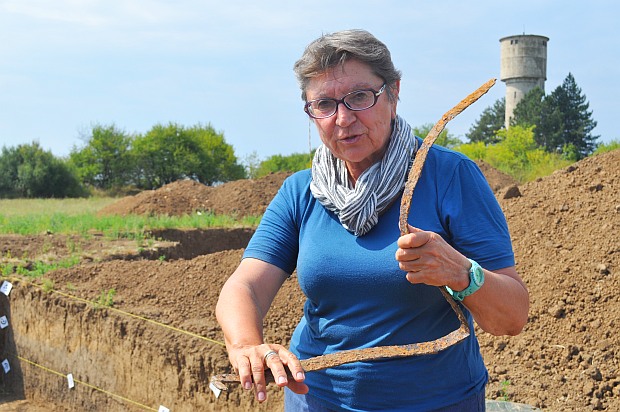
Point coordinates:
[[544, 132], [561, 121], [112, 160]]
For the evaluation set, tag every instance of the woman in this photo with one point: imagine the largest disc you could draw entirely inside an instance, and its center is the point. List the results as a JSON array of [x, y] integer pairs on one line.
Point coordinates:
[[366, 285]]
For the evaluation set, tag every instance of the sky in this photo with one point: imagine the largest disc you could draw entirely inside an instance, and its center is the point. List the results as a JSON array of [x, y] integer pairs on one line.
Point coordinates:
[[67, 65]]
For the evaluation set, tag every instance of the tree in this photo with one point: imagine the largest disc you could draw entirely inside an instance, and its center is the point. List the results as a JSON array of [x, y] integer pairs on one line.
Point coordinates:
[[29, 171], [105, 161], [444, 139], [171, 152], [562, 119], [252, 163], [291, 163], [576, 120], [548, 129], [490, 122], [219, 161], [528, 110], [9, 165]]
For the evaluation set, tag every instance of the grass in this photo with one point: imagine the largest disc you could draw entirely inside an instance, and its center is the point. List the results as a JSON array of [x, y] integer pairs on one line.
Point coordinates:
[[504, 385], [37, 268], [79, 216], [106, 298], [70, 207]]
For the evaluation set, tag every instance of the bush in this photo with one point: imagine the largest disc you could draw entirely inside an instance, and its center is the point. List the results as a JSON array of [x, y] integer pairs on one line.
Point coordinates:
[[608, 147], [29, 171], [517, 154]]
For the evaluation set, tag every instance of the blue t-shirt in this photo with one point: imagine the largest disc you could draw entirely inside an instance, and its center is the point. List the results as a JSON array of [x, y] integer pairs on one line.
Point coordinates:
[[357, 297]]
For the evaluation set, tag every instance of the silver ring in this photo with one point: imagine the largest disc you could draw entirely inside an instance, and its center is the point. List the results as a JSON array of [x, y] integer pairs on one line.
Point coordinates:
[[268, 355]]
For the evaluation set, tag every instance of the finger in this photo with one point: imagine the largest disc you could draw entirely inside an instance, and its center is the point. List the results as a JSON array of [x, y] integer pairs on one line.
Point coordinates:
[[298, 387], [407, 256], [260, 383], [274, 362], [417, 238], [244, 369], [414, 278], [293, 364]]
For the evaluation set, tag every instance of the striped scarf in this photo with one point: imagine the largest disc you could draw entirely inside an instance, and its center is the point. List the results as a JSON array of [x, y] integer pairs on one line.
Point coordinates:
[[359, 207]]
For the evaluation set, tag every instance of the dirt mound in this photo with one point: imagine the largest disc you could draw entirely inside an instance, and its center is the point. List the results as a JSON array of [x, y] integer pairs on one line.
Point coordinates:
[[565, 230], [236, 198], [497, 180]]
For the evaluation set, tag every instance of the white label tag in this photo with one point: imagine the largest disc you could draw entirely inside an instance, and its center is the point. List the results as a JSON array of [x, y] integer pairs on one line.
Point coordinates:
[[70, 381], [4, 322], [162, 408], [6, 366], [215, 390], [6, 287]]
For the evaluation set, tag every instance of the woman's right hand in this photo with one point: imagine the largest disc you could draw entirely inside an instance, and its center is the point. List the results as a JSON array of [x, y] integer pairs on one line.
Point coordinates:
[[244, 302], [251, 362]]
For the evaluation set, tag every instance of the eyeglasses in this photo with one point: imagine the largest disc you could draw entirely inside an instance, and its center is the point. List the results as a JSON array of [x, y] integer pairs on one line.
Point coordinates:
[[357, 101]]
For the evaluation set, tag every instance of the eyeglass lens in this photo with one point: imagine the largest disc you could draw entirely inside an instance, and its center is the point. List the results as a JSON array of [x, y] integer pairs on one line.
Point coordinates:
[[357, 100]]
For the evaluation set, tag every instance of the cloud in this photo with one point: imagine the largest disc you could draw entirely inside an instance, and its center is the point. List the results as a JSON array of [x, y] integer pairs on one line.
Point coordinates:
[[66, 11]]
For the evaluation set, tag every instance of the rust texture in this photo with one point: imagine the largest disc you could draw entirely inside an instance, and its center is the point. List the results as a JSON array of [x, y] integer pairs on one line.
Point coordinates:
[[420, 157], [397, 351]]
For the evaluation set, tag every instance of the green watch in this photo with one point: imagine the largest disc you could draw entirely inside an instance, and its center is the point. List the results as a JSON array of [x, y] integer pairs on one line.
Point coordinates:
[[476, 280]]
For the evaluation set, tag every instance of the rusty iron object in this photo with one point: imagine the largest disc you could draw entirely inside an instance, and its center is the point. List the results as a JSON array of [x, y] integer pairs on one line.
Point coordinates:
[[420, 157], [396, 351]]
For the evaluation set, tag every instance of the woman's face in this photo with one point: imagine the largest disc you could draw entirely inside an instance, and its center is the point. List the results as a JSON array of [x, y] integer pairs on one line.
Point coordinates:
[[359, 138]]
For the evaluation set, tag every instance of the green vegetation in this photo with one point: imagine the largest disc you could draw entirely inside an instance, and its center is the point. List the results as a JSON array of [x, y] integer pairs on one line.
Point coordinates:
[[444, 139], [504, 385], [79, 217], [114, 161], [608, 147], [106, 298], [491, 120], [278, 163], [38, 268], [112, 226], [47, 285], [29, 171], [516, 155], [549, 131], [7, 269], [12, 208], [563, 122], [106, 161]]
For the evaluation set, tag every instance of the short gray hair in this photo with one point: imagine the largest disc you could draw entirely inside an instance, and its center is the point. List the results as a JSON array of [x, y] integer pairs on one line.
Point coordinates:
[[330, 50]]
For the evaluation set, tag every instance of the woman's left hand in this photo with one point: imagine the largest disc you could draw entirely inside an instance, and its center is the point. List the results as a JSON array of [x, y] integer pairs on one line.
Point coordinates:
[[428, 258], [500, 307]]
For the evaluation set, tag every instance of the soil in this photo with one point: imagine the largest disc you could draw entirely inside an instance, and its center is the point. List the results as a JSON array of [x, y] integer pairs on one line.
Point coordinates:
[[151, 337]]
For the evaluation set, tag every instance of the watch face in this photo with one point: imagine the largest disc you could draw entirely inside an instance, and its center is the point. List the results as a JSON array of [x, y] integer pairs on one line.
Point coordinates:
[[478, 275]]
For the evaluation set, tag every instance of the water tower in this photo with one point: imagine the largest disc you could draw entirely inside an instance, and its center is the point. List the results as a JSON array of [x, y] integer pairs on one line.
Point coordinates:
[[523, 67]]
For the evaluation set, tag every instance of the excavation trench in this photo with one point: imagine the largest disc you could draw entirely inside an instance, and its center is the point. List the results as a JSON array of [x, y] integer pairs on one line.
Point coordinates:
[[157, 344]]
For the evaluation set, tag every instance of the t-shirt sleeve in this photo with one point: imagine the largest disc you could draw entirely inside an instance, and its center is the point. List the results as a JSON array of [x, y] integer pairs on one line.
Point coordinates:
[[474, 219], [276, 239]]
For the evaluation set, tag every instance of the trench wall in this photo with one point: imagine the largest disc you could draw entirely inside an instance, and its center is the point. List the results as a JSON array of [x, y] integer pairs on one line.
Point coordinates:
[[119, 363]]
